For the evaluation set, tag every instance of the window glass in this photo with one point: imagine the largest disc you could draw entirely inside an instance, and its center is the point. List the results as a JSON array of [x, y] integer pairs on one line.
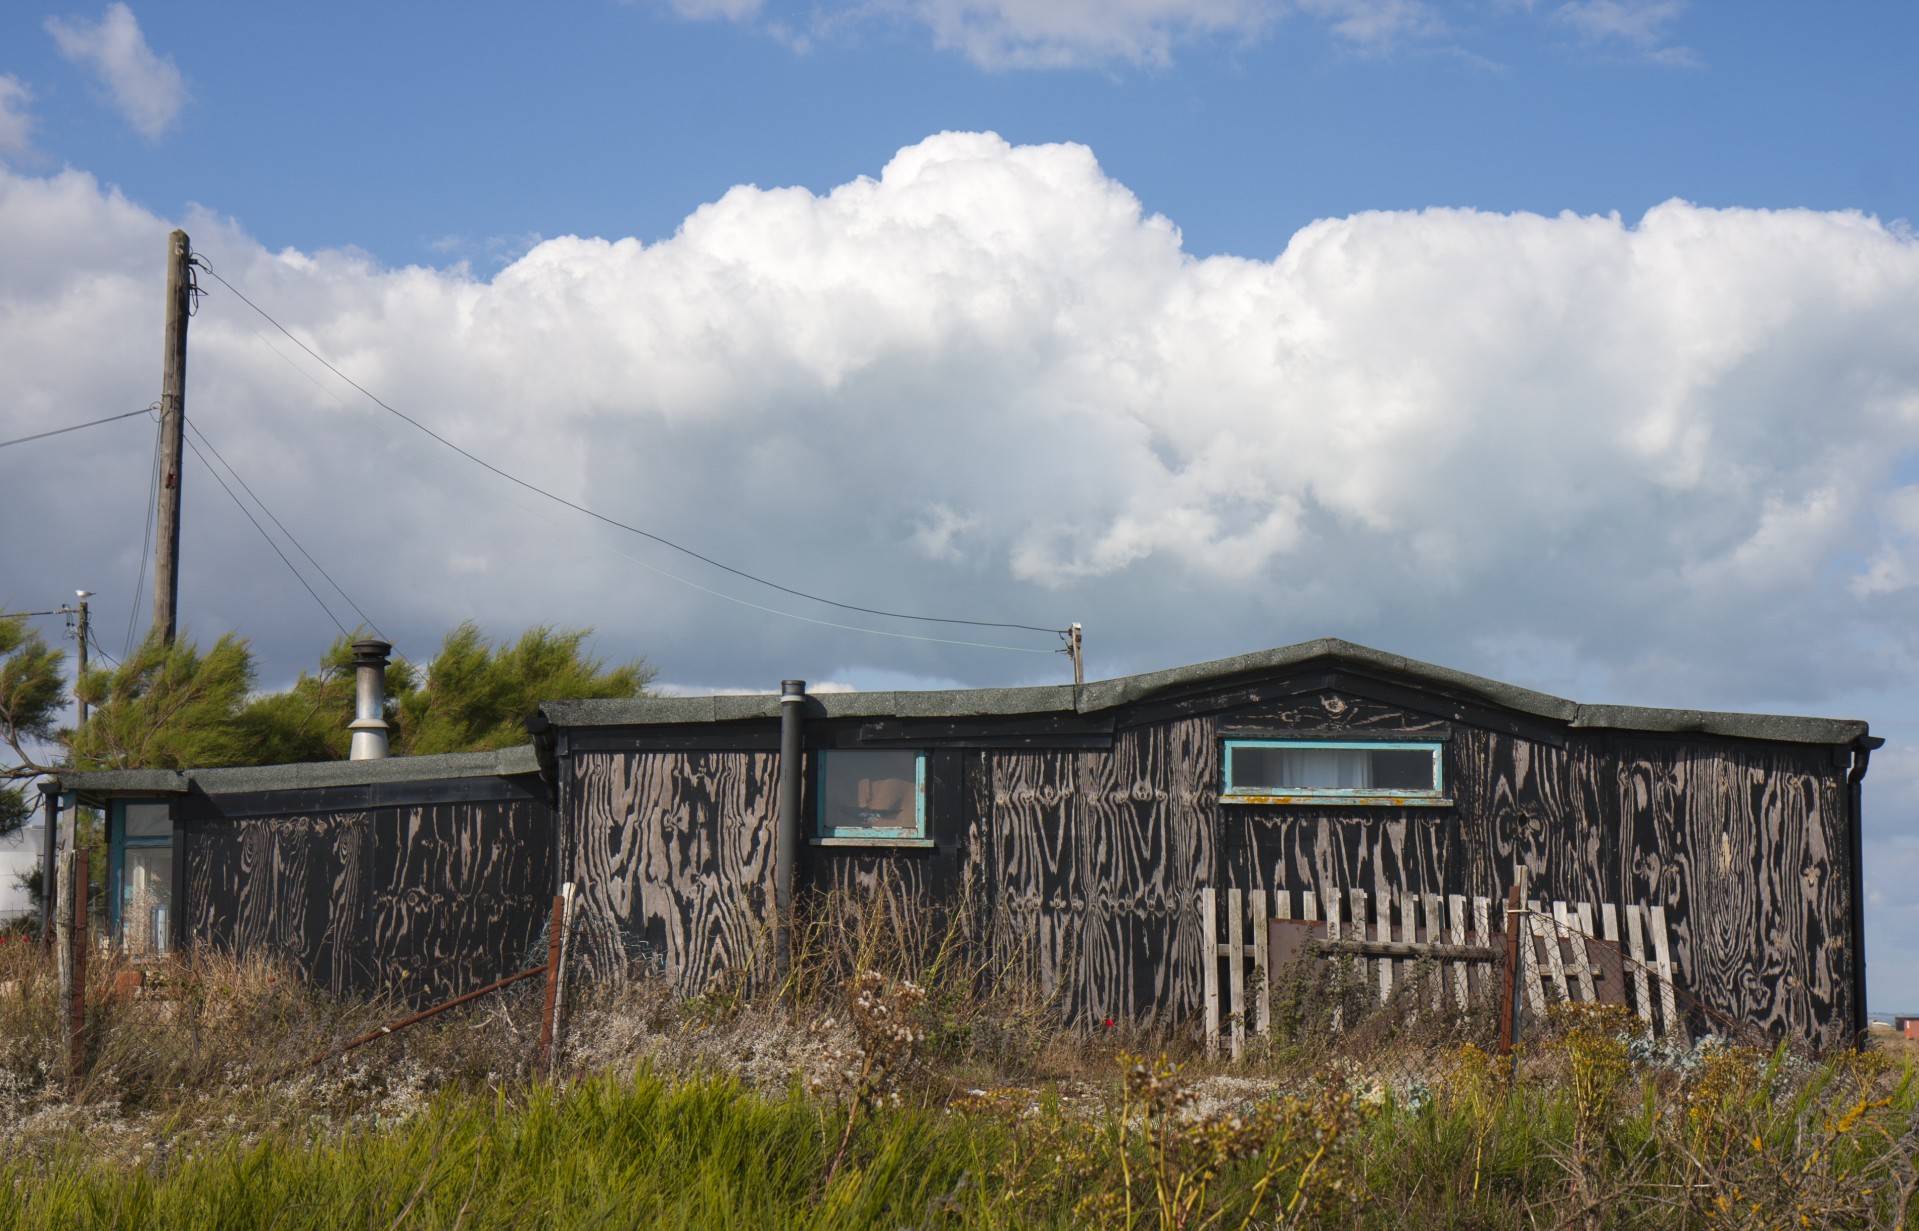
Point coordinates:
[[146, 899], [148, 821], [1305, 767], [869, 792]]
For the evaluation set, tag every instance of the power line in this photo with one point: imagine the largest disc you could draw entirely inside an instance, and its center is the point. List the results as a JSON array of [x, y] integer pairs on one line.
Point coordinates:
[[93, 638], [433, 459], [364, 618], [61, 431], [269, 538], [631, 529], [146, 541]]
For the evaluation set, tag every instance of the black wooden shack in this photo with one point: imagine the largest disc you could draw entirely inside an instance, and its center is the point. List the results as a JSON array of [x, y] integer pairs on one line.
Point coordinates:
[[422, 876], [1086, 824]]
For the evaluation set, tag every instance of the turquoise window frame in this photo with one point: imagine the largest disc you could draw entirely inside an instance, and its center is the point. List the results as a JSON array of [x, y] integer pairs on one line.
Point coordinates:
[[118, 843], [1371, 797], [858, 835]]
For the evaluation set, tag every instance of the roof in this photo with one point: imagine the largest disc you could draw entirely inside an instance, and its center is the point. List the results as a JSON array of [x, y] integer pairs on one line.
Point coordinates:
[[1112, 694], [506, 762]]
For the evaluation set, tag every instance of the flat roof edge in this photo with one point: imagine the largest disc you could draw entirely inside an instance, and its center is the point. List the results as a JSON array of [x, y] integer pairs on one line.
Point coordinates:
[[499, 763]]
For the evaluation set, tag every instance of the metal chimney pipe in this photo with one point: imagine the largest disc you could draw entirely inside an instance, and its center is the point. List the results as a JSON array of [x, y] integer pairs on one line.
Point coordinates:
[[786, 850], [369, 724]]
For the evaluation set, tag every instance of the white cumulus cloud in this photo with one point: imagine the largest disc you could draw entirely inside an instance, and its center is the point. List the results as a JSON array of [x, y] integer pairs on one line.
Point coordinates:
[[1661, 457], [16, 123], [146, 88]]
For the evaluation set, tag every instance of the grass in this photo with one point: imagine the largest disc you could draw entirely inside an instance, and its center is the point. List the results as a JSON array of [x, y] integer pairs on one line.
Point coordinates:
[[866, 1094]]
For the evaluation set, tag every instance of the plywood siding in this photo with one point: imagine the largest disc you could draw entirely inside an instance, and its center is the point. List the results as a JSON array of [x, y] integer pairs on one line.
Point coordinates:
[[1741, 843], [292, 888], [461, 894], [1093, 868], [423, 902], [673, 853], [1083, 866]]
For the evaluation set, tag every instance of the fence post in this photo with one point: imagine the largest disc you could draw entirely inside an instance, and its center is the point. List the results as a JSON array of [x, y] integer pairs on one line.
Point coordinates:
[[77, 967], [570, 900], [1509, 986], [553, 930]]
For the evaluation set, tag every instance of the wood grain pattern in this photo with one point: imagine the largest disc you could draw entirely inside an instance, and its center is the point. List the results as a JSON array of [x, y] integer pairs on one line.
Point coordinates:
[[673, 852], [287, 887], [460, 894], [423, 902], [1040, 906], [1086, 862]]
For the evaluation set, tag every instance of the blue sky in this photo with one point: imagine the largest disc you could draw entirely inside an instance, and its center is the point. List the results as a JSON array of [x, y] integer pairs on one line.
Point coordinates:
[[1572, 342], [393, 127]]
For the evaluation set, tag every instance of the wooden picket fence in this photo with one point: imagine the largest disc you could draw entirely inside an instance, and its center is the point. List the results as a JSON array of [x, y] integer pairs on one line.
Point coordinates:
[[1563, 957]]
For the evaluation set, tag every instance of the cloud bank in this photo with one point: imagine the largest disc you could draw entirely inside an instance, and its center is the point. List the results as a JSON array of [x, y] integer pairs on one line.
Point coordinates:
[[1671, 456], [146, 88]]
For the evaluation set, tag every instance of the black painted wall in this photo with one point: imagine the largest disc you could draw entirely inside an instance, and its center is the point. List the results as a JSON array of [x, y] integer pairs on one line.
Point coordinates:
[[1082, 863], [422, 900]]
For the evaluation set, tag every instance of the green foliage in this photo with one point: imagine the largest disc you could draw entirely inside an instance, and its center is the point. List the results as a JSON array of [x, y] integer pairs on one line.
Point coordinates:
[[169, 707], [15, 809], [308, 722], [479, 694], [31, 692]]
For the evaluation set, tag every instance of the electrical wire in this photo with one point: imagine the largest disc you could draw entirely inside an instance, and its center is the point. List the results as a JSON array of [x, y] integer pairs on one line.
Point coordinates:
[[61, 431], [269, 538], [93, 639], [146, 541], [364, 618], [614, 522], [433, 459]]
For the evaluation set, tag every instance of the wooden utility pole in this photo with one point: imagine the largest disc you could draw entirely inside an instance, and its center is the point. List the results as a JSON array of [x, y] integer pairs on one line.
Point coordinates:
[[173, 411], [81, 631]]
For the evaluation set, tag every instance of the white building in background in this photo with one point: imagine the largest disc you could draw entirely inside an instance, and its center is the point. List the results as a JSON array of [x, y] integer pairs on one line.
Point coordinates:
[[19, 855]]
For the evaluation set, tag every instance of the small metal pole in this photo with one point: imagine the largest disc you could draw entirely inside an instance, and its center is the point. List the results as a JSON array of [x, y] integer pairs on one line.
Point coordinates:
[[1509, 986], [787, 838]]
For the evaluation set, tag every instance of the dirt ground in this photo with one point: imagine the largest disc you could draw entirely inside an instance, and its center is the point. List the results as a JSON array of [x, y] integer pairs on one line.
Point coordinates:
[[1895, 1046]]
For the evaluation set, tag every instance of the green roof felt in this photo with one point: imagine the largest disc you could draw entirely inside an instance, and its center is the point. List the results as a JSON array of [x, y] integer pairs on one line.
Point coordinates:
[[1105, 695]]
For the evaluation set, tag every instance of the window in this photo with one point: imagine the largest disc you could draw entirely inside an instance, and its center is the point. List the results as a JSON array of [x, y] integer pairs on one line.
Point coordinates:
[[142, 872], [1328, 772], [872, 797]]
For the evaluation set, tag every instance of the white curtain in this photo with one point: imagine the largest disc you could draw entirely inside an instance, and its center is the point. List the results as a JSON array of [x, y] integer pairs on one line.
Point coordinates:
[[1347, 768]]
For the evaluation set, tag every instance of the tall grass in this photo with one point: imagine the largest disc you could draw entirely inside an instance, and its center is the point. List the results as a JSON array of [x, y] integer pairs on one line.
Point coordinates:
[[898, 1079], [1739, 1142]]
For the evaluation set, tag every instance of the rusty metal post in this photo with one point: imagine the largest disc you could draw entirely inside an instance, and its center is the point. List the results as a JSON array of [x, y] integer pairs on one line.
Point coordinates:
[[77, 963], [1510, 985], [553, 929]]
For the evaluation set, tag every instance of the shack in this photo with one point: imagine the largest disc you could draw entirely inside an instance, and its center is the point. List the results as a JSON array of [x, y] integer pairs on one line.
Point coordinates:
[[1082, 827]]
